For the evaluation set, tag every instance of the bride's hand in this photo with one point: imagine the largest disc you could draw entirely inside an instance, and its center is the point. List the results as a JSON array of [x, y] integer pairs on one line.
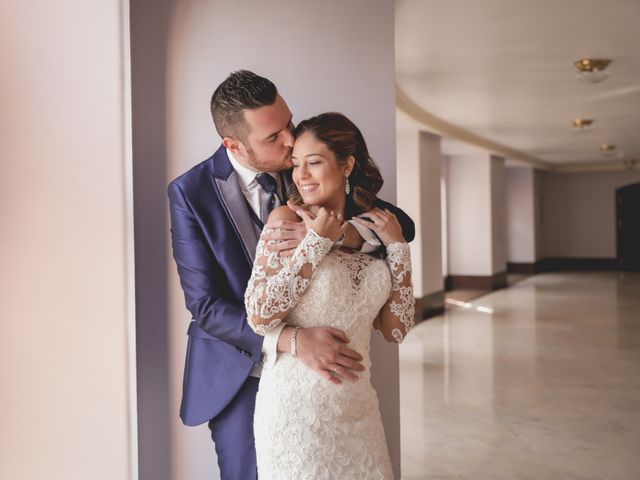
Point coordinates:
[[325, 223], [384, 224]]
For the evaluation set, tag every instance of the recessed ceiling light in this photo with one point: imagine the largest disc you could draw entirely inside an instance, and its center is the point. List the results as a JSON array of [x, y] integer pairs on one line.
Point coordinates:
[[592, 70], [582, 125]]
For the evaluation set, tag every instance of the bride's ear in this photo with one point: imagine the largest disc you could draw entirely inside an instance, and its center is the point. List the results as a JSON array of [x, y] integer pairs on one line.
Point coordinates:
[[348, 168]]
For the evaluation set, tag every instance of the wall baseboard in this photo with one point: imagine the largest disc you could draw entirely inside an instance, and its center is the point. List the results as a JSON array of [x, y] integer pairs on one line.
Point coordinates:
[[563, 264], [429, 306], [519, 267], [476, 282]]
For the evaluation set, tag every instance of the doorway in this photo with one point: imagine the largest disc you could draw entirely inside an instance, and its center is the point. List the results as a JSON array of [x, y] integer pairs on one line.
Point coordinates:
[[628, 227]]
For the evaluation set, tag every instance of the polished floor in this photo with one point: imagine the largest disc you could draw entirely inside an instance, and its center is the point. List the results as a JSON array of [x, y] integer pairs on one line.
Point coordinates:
[[537, 381]]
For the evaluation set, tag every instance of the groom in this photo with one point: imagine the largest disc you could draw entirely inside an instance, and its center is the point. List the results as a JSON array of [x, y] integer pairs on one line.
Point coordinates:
[[218, 209]]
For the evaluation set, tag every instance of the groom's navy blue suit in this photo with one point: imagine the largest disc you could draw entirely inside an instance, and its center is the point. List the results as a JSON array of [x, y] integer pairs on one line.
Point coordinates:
[[214, 238]]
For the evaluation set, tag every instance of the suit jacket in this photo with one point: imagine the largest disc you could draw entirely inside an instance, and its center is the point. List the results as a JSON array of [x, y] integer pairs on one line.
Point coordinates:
[[214, 241]]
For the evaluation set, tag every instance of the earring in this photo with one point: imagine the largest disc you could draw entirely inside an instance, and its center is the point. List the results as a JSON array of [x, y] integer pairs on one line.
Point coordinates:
[[347, 187]]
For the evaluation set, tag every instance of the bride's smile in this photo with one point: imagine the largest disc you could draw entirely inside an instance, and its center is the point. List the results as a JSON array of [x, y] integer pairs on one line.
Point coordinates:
[[318, 175]]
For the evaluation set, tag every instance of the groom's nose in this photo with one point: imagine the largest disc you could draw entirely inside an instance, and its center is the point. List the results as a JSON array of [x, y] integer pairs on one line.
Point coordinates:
[[288, 138]]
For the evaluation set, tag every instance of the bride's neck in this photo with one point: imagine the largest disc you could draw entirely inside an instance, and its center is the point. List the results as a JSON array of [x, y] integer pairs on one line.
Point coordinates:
[[336, 206]]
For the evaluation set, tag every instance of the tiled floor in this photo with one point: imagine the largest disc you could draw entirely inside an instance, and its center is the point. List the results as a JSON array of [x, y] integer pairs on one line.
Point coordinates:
[[537, 381]]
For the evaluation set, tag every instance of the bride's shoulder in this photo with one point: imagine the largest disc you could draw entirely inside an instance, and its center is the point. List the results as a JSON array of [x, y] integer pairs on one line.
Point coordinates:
[[283, 213]]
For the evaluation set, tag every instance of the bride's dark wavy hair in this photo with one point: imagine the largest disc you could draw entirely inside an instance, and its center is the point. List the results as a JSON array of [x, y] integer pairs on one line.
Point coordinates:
[[344, 139]]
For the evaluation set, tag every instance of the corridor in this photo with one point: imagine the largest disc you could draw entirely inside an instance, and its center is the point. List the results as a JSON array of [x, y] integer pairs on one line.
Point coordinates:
[[537, 381]]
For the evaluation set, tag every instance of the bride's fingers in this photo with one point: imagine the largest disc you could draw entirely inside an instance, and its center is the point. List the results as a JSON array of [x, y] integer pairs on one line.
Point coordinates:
[[295, 208], [304, 215]]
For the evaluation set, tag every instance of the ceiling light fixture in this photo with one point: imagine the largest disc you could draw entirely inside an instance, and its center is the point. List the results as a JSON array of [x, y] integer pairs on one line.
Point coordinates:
[[592, 70], [582, 125], [607, 149]]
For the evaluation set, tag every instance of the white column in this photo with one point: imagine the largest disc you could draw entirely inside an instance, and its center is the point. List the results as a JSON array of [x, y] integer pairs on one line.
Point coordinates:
[[419, 175], [476, 217], [521, 215]]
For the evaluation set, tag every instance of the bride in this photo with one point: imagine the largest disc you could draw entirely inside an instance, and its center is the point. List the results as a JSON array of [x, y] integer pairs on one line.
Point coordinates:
[[305, 426]]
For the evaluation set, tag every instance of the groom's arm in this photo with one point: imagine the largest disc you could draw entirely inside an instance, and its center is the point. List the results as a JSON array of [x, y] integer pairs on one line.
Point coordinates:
[[359, 237], [214, 312]]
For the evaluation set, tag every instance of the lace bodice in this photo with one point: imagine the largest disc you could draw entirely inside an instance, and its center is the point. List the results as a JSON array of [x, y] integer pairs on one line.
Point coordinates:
[[348, 288], [305, 427]]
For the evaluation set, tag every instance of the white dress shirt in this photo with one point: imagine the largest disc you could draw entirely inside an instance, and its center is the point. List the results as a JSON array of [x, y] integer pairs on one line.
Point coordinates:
[[256, 196]]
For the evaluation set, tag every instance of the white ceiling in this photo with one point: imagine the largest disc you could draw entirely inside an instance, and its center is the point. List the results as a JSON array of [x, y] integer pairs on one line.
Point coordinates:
[[503, 70]]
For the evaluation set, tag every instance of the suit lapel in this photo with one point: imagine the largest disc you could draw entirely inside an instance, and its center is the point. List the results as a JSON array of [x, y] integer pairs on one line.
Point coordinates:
[[225, 181]]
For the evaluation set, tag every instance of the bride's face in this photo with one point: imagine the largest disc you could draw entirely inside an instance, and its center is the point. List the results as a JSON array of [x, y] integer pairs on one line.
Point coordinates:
[[319, 177]]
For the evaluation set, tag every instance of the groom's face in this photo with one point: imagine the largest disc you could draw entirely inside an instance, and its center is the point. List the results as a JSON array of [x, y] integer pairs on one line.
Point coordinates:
[[269, 142]]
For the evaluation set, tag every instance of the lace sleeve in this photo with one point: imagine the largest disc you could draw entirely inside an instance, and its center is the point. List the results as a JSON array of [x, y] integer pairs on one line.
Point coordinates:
[[398, 314], [276, 284]]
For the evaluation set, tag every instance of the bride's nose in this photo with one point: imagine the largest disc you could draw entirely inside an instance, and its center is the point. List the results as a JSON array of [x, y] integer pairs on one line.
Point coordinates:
[[303, 171]]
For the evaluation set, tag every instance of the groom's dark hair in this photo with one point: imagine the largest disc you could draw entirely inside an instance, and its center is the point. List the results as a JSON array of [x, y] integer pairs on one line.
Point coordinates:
[[242, 90]]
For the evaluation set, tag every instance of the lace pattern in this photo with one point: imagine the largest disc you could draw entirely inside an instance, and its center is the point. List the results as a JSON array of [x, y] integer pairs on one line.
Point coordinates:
[[398, 315], [276, 283], [304, 426]]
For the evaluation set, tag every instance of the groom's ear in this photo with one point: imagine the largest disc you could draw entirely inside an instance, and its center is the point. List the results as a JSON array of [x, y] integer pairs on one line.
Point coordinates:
[[235, 146]]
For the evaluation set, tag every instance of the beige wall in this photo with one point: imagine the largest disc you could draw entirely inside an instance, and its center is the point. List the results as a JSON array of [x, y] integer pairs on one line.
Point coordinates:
[[578, 212], [323, 56], [63, 361]]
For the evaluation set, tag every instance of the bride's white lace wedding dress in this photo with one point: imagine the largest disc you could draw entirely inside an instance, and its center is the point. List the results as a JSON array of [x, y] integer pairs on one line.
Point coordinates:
[[305, 426]]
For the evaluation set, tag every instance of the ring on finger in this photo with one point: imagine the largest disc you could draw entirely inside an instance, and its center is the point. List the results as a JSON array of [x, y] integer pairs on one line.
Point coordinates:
[[335, 370]]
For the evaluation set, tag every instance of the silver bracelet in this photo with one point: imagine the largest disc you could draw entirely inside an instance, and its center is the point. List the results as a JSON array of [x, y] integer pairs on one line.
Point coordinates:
[[294, 342]]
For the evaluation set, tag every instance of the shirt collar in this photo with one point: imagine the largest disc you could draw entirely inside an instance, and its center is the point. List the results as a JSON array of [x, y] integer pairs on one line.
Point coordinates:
[[247, 176]]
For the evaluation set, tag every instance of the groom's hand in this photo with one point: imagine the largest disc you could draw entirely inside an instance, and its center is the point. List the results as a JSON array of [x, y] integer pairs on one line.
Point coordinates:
[[289, 235], [324, 350]]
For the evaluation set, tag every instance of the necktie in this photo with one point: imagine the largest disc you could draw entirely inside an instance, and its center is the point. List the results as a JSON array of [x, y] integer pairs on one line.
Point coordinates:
[[269, 185]]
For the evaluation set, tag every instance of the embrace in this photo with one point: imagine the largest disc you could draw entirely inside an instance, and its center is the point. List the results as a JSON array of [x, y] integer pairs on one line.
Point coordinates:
[[288, 262]]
